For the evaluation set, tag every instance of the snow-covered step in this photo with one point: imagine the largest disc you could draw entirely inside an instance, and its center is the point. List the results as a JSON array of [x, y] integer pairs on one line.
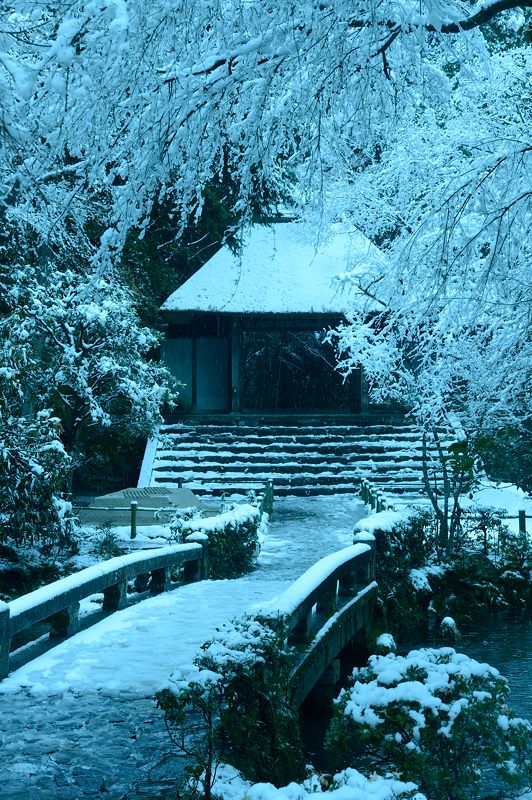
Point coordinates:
[[301, 459]]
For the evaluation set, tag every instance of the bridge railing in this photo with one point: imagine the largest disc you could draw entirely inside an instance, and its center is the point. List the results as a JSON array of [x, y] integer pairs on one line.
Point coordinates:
[[325, 608], [373, 497], [59, 602]]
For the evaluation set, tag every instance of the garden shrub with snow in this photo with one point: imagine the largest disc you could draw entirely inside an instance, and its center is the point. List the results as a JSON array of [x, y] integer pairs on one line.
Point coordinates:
[[233, 537], [34, 465], [241, 712], [439, 717], [404, 545], [349, 784]]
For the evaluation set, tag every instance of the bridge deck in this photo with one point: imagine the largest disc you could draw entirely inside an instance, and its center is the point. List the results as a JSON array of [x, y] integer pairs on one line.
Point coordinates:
[[82, 714]]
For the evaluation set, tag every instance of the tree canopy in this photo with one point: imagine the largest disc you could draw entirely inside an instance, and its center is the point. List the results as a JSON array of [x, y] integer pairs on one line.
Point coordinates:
[[409, 121], [132, 102]]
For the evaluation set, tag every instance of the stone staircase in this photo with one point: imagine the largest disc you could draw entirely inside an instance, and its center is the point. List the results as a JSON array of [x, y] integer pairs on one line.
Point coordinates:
[[301, 458]]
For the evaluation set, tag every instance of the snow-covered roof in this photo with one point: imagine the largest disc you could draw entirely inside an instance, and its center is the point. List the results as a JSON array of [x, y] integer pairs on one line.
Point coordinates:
[[281, 269]]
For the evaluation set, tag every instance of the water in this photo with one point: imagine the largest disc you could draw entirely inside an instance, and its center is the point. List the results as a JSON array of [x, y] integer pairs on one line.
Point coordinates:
[[504, 640]]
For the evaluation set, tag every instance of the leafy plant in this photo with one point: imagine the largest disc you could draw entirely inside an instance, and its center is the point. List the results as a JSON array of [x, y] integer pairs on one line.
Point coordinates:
[[192, 712], [34, 466], [106, 544], [456, 466], [237, 707], [516, 550], [439, 717], [233, 537]]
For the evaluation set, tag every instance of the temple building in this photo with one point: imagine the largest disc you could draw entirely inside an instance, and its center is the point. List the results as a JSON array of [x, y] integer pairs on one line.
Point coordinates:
[[245, 334]]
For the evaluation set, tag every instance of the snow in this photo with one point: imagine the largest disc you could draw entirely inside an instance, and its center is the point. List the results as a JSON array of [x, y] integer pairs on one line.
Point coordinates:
[[383, 521], [348, 785], [386, 641], [236, 516], [502, 496], [391, 685], [280, 270], [419, 580]]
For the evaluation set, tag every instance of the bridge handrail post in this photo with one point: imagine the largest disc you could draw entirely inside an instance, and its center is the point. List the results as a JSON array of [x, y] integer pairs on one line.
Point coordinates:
[[65, 623], [5, 639], [365, 537], [115, 597], [300, 633], [326, 602], [198, 570]]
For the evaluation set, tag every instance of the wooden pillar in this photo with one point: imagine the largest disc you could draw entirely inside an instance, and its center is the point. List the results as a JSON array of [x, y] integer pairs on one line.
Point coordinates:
[[236, 334]]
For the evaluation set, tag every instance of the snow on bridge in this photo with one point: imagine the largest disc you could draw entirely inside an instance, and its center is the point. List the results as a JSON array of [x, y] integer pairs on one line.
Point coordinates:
[[91, 695]]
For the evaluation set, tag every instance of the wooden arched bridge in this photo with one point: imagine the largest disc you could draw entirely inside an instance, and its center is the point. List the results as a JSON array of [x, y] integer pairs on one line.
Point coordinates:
[[329, 605]]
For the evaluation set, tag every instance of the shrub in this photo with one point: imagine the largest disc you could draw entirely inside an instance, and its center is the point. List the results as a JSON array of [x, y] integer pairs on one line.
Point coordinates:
[[241, 698], [233, 538], [439, 717], [107, 542], [402, 542], [33, 470], [192, 711], [516, 550]]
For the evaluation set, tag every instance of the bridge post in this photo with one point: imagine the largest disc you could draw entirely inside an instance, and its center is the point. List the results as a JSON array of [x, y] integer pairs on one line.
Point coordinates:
[[301, 632], [65, 623], [5, 639], [161, 580], [115, 597], [326, 603], [198, 570], [369, 570], [347, 583]]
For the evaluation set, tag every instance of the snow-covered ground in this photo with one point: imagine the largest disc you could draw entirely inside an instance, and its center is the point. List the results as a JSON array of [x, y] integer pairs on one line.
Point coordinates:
[[82, 714]]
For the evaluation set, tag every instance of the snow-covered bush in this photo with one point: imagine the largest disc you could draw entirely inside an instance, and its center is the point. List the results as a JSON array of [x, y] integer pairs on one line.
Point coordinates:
[[516, 550], [192, 711], [439, 717], [346, 784], [33, 462], [241, 695], [403, 541], [89, 358], [233, 538]]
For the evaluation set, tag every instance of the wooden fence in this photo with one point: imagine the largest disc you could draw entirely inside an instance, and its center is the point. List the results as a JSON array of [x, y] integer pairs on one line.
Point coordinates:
[[376, 499]]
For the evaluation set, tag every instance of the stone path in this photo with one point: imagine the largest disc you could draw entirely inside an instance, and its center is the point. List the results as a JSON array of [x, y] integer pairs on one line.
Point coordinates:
[[113, 745]]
